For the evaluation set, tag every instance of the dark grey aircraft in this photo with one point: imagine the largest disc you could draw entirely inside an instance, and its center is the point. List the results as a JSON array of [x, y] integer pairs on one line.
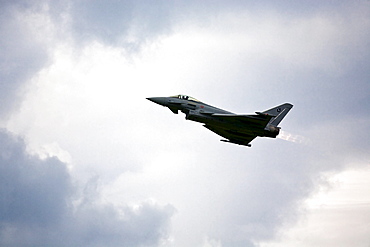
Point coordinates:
[[236, 128]]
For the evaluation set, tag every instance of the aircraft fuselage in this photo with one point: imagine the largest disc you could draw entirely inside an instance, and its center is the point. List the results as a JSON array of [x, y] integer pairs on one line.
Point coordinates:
[[239, 129]]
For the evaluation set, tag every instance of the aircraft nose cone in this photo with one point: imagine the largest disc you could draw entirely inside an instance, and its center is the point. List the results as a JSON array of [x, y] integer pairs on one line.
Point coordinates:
[[158, 100]]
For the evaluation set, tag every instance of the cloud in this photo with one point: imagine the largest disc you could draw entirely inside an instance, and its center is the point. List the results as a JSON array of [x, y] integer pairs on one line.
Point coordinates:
[[130, 24], [341, 207], [86, 101], [23, 51], [33, 191], [39, 206]]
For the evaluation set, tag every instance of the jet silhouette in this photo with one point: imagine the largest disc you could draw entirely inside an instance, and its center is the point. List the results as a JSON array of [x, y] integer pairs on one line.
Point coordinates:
[[239, 129]]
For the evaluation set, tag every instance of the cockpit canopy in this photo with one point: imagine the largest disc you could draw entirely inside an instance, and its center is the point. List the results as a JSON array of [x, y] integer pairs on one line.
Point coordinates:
[[185, 97]]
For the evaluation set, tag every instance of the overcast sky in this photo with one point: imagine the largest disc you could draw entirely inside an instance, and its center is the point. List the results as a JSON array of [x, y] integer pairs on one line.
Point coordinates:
[[86, 160]]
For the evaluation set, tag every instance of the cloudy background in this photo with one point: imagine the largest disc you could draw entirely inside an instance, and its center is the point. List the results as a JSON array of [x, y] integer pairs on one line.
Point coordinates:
[[86, 160]]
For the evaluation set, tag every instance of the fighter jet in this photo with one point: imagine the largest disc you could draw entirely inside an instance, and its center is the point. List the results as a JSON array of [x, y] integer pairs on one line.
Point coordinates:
[[239, 129]]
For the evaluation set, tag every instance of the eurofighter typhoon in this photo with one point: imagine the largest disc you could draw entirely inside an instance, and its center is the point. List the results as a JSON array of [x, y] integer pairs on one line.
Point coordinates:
[[239, 129]]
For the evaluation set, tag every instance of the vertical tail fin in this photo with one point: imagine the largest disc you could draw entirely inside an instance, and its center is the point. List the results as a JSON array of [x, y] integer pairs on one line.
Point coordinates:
[[279, 112]]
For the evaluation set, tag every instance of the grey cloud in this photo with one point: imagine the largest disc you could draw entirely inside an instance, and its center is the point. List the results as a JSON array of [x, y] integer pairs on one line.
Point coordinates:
[[33, 191], [21, 54], [332, 74], [127, 23], [264, 186], [36, 207], [25, 50], [134, 23], [102, 225], [265, 189], [264, 194]]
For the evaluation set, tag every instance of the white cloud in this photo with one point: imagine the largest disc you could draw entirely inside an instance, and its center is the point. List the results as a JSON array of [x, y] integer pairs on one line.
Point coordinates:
[[335, 216], [38, 207], [88, 108]]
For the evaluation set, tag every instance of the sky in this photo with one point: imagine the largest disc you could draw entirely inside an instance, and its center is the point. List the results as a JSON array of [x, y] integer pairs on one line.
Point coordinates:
[[86, 160]]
